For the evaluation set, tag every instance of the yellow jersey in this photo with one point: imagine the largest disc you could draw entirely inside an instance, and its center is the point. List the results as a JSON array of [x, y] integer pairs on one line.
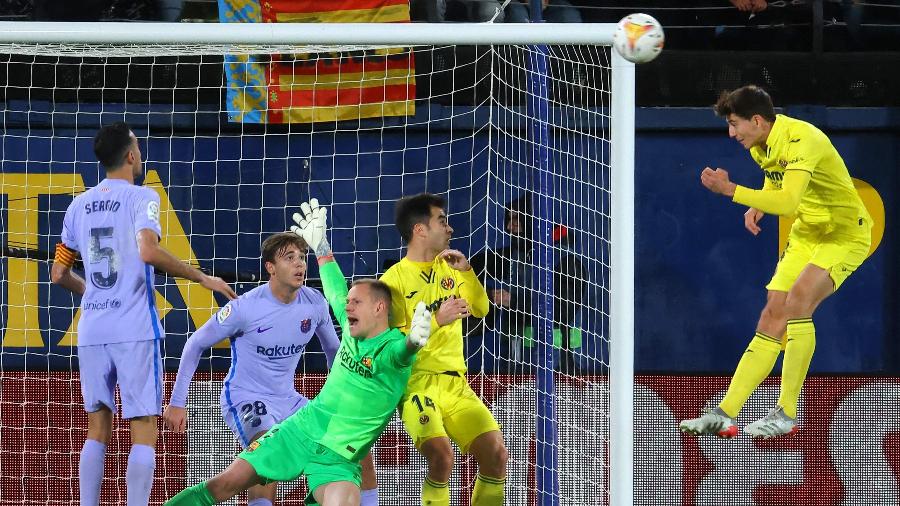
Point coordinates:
[[830, 197], [433, 283]]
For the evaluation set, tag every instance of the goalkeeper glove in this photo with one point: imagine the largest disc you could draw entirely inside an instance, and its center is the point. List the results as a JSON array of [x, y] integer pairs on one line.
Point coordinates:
[[420, 329], [311, 225]]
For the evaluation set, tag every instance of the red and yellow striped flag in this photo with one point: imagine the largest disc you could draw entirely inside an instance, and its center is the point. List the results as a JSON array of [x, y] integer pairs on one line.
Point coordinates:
[[307, 88]]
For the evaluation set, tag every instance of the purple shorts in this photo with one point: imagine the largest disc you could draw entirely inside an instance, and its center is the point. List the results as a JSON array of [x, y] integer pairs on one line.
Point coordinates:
[[135, 366], [249, 413]]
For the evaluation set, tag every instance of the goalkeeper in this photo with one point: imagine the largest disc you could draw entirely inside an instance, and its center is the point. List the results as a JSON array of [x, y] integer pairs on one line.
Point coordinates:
[[804, 177], [326, 439]]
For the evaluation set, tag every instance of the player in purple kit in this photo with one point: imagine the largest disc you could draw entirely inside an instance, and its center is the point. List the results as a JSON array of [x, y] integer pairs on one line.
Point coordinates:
[[115, 227], [268, 328]]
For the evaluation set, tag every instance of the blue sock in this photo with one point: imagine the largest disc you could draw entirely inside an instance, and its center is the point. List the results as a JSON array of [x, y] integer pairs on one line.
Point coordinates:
[[259, 501], [139, 475], [90, 472], [369, 497]]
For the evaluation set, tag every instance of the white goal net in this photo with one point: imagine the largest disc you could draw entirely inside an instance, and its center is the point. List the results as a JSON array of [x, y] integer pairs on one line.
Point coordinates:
[[517, 138]]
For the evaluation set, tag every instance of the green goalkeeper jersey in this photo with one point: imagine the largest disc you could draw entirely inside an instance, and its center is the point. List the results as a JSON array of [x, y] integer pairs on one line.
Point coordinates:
[[363, 387]]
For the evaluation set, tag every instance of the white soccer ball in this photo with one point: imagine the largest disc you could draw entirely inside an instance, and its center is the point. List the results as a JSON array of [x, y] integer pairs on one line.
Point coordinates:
[[639, 38]]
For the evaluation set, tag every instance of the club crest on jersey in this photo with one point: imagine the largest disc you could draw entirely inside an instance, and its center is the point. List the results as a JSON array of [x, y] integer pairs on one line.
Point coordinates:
[[423, 419], [305, 325], [448, 283], [223, 313], [252, 446], [366, 362]]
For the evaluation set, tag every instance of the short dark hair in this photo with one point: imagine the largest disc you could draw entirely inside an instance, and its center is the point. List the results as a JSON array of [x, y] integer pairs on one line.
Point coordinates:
[[111, 144], [413, 210], [275, 244], [380, 289], [746, 102]]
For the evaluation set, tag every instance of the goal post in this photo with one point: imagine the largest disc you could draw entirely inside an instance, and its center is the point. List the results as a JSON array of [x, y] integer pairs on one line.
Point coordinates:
[[557, 122]]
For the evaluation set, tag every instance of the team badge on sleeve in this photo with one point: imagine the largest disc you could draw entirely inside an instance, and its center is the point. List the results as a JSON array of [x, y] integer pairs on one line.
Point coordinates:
[[305, 325], [223, 313], [153, 211], [448, 283]]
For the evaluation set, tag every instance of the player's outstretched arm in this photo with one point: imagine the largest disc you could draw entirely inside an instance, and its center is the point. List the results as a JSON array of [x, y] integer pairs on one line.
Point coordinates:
[[311, 223], [154, 254], [175, 414], [783, 202]]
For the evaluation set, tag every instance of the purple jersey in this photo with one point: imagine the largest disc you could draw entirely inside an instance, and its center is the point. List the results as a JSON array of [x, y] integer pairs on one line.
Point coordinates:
[[119, 303], [267, 339]]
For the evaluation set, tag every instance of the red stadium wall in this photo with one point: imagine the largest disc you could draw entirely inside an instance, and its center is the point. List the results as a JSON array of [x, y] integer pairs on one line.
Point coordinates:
[[847, 453]]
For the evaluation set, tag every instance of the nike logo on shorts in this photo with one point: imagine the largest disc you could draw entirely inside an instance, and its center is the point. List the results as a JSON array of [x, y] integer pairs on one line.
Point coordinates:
[[261, 330]]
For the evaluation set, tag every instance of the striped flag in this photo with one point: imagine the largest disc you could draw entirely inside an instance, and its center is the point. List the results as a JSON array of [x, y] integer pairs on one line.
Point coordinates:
[[311, 87]]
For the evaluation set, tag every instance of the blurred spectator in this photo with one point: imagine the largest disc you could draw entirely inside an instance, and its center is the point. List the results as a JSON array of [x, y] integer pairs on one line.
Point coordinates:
[[507, 274], [750, 5], [170, 10], [555, 11], [435, 11]]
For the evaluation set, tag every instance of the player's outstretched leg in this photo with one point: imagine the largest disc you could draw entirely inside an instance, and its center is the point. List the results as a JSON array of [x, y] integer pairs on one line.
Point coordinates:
[[714, 421], [239, 476], [774, 424]]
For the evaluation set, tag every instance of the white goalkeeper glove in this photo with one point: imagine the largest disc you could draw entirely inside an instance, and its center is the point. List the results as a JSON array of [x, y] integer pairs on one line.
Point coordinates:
[[311, 225], [420, 329]]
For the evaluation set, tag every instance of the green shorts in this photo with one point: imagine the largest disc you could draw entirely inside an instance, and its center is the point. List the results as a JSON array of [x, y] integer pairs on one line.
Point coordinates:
[[283, 454]]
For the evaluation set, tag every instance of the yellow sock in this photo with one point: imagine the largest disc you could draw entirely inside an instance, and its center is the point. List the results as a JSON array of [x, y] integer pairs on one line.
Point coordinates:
[[435, 493], [801, 342], [488, 491], [755, 365]]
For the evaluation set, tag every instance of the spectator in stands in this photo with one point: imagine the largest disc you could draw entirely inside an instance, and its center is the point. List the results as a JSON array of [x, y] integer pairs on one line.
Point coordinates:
[[435, 11], [554, 11], [750, 5], [506, 274], [479, 11]]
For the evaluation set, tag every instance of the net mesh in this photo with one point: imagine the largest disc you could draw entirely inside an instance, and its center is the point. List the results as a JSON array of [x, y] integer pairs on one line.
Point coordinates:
[[225, 185]]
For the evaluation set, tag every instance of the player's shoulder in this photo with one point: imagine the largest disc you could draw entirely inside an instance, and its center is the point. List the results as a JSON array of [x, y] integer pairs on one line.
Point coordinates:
[[395, 271], [309, 295], [797, 130]]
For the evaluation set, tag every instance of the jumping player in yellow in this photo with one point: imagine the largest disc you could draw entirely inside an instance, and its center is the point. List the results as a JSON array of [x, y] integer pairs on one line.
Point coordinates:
[[438, 404], [804, 177]]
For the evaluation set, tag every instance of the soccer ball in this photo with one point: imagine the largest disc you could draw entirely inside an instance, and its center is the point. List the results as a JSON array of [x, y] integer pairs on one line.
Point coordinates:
[[638, 38]]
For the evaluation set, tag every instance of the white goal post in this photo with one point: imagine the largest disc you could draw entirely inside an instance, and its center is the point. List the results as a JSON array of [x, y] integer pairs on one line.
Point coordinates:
[[183, 38]]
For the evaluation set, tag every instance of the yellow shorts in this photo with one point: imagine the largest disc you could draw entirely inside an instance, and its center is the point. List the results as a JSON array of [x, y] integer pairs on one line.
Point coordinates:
[[441, 405], [838, 251]]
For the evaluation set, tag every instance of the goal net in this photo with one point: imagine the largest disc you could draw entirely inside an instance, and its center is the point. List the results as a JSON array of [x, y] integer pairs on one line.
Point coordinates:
[[235, 134]]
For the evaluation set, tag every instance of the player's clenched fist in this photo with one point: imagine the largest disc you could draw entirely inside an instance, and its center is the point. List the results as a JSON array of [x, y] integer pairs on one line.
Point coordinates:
[[311, 225], [420, 329], [175, 418], [717, 181], [451, 310]]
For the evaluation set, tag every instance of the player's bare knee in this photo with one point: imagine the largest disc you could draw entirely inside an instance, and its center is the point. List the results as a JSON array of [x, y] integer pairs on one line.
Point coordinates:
[[772, 316], [144, 430], [225, 485], [492, 460], [440, 464]]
